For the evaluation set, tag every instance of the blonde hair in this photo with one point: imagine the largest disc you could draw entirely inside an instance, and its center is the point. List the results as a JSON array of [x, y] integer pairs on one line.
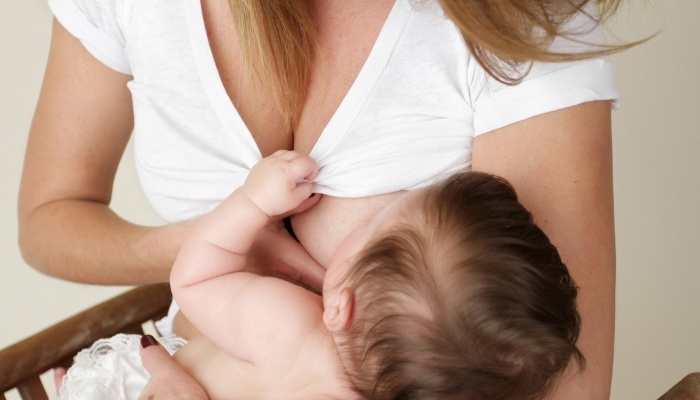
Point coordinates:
[[504, 35], [277, 38]]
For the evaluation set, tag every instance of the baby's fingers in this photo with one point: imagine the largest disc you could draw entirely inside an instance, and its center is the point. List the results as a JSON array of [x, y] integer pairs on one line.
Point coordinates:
[[303, 168]]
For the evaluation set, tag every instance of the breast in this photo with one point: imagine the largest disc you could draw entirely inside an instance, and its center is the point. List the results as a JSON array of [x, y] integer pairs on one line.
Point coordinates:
[[321, 229]]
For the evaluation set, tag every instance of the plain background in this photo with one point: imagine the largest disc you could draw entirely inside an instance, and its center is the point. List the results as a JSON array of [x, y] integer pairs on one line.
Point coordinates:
[[657, 193]]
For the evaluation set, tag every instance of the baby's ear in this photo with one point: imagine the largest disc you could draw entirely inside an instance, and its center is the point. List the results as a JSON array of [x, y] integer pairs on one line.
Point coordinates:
[[339, 317]]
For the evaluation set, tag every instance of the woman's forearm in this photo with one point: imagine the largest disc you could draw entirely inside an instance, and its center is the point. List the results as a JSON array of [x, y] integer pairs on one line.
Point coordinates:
[[81, 126], [85, 241]]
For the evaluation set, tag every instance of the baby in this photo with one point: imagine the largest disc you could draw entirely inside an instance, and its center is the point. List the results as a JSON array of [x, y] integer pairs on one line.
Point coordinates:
[[451, 292]]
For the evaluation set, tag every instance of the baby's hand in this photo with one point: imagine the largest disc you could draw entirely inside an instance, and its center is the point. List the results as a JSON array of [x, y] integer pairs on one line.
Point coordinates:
[[281, 182]]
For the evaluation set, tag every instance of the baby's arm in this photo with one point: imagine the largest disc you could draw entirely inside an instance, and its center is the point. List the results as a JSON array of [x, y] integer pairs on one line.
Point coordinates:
[[207, 278]]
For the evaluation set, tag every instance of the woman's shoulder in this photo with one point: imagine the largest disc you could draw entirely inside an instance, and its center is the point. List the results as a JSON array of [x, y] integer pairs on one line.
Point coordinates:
[[99, 13], [113, 16], [106, 27]]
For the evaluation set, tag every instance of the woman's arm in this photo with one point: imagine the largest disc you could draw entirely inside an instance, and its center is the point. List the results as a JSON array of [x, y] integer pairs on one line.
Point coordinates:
[[560, 164], [82, 123], [81, 126]]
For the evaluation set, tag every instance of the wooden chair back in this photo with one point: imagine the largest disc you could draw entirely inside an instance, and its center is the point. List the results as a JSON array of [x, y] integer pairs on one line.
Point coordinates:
[[687, 389], [22, 363]]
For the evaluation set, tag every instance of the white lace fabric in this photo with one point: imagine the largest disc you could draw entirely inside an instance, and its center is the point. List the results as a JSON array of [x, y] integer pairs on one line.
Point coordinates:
[[110, 369]]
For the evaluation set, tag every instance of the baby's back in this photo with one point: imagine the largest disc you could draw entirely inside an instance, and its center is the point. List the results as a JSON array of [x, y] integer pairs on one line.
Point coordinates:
[[315, 373]]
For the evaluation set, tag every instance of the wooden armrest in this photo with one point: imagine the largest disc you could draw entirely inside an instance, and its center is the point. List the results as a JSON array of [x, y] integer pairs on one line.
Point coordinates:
[[55, 346], [687, 389]]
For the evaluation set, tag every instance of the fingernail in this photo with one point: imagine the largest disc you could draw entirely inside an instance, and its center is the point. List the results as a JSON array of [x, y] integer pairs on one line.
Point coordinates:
[[148, 340]]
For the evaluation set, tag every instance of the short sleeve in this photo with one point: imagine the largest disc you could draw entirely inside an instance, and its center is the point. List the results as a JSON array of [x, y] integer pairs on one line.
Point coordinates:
[[96, 24], [555, 87], [548, 86]]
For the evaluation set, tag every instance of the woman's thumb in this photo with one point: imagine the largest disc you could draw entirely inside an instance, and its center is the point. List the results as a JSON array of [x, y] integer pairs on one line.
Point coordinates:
[[154, 356], [168, 379]]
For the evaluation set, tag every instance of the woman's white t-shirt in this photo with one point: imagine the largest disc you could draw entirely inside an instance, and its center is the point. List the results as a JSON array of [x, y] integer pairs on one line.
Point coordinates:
[[409, 118]]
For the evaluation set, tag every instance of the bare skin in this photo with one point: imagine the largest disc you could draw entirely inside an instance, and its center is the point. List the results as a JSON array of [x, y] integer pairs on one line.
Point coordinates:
[[169, 380], [239, 356], [562, 173], [346, 34], [558, 162]]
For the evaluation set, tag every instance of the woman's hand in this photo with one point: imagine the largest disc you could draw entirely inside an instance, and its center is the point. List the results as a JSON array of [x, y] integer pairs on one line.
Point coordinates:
[[168, 379]]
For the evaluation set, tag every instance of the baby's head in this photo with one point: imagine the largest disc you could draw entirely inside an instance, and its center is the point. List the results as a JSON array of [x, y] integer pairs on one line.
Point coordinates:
[[456, 294]]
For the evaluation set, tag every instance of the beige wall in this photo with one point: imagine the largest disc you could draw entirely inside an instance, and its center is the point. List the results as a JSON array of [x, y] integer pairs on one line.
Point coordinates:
[[657, 189], [657, 203]]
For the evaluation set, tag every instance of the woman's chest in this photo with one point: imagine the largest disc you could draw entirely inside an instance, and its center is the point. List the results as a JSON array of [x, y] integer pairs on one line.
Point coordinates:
[[405, 119], [345, 35]]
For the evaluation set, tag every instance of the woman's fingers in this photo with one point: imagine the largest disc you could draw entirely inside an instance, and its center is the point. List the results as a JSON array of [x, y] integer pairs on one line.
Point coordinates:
[[168, 379]]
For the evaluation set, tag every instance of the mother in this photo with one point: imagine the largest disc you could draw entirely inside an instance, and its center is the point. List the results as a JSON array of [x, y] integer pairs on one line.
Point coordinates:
[[385, 95]]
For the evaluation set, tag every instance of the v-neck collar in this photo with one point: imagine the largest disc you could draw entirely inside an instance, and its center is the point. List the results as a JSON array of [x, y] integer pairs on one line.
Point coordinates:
[[342, 118]]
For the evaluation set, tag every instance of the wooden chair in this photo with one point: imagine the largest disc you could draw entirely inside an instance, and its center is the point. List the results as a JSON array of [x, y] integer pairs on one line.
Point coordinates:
[[22, 363], [687, 389]]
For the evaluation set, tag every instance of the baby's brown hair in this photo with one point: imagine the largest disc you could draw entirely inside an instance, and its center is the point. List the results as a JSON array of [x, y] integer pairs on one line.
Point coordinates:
[[466, 300]]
